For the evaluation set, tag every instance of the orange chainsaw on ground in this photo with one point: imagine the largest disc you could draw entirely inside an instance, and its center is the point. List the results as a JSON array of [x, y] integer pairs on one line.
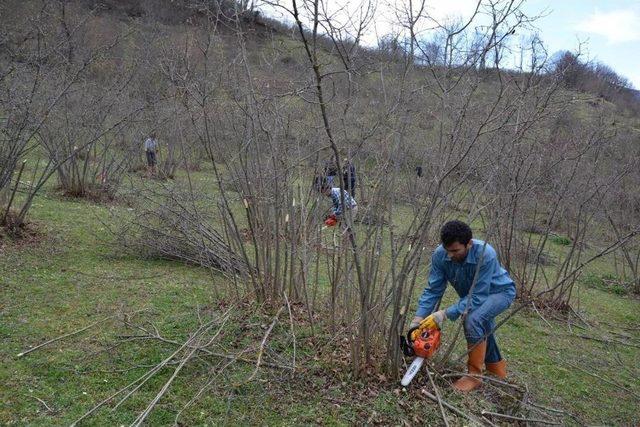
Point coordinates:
[[331, 220], [426, 343]]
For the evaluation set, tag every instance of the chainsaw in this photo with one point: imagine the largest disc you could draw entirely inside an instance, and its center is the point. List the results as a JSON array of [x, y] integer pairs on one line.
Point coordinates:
[[423, 347], [331, 220]]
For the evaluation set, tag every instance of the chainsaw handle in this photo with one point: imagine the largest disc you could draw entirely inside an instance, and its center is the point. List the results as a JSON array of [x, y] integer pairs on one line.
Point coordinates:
[[406, 348], [406, 343], [410, 331]]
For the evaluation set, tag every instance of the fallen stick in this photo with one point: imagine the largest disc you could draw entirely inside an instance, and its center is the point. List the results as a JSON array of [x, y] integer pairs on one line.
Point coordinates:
[[43, 402], [540, 314], [200, 392], [528, 420], [484, 377], [142, 379], [451, 407], [223, 355], [557, 411], [264, 342], [586, 337], [138, 421], [24, 353], [611, 382], [433, 384], [161, 365]]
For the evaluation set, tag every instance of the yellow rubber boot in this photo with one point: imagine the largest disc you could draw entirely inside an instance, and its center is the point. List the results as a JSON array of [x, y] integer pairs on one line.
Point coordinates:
[[499, 369], [474, 366]]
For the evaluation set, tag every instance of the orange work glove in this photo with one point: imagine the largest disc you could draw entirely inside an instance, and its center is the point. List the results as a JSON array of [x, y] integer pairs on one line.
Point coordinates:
[[433, 321]]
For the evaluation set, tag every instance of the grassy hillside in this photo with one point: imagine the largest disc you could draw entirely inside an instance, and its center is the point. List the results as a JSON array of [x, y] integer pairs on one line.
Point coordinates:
[[235, 104], [67, 276]]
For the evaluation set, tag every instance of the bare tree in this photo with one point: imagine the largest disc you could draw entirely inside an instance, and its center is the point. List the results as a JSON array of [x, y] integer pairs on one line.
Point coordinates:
[[498, 148], [45, 66]]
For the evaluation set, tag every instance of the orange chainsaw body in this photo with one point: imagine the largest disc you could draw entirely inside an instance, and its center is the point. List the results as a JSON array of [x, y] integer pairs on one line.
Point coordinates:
[[423, 347], [427, 343], [331, 221]]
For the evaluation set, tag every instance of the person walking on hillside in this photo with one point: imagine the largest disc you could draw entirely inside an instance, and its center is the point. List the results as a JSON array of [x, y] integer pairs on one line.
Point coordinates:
[[151, 148], [456, 261], [349, 177]]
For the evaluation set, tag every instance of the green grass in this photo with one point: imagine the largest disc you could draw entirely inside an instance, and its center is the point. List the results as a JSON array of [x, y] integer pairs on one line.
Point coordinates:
[[71, 276], [560, 240], [606, 282]]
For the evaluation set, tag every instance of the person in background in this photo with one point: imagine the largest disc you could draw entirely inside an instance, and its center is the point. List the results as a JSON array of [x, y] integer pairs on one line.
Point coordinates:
[[330, 172], [456, 261], [338, 210], [151, 150], [349, 177]]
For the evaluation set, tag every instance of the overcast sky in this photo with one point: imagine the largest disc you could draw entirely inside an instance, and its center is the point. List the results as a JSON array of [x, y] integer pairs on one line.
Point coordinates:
[[607, 30]]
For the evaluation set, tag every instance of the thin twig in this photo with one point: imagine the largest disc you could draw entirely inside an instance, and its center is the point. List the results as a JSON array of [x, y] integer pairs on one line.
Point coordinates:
[[24, 353], [608, 381], [142, 379], [435, 389], [540, 314], [263, 343], [49, 409], [201, 391], [147, 376], [548, 409], [527, 420], [451, 407], [587, 337], [293, 335], [166, 386], [116, 371], [484, 377], [237, 357]]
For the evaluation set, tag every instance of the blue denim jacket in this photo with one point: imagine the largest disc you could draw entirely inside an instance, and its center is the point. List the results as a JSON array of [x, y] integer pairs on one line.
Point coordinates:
[[492, 279]]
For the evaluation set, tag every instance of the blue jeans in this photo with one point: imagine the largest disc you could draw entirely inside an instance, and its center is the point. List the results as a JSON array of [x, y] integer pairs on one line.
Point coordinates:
[[480, 323], [151, 158]]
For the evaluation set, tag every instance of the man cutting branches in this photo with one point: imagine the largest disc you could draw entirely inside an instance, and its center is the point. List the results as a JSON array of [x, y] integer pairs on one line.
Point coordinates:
[[460, 260]]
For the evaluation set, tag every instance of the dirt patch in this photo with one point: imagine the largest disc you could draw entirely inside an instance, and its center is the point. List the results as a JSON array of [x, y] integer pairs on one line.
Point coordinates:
[[18, 236]]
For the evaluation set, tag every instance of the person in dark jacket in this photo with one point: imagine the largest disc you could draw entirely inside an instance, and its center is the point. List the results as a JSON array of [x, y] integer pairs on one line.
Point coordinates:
[[330, 172], [349, 177]]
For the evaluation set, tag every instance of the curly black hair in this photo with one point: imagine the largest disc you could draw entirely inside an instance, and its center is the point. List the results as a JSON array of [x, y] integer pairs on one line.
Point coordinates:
[[455, 231]]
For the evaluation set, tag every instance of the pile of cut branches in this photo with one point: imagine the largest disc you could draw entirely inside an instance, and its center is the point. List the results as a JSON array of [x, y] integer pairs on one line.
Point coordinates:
[[170, 225]]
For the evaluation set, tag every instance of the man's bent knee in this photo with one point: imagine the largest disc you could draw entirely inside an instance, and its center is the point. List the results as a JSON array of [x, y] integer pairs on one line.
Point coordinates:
[[474, 327]]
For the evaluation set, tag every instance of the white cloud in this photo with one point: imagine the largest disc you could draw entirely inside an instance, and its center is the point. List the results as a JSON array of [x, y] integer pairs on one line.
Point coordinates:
[[443, 9], [617, 26], [385, 19], [635, 79]]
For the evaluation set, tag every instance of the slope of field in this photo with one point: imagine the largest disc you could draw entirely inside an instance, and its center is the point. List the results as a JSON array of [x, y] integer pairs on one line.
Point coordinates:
[[68, 275]]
